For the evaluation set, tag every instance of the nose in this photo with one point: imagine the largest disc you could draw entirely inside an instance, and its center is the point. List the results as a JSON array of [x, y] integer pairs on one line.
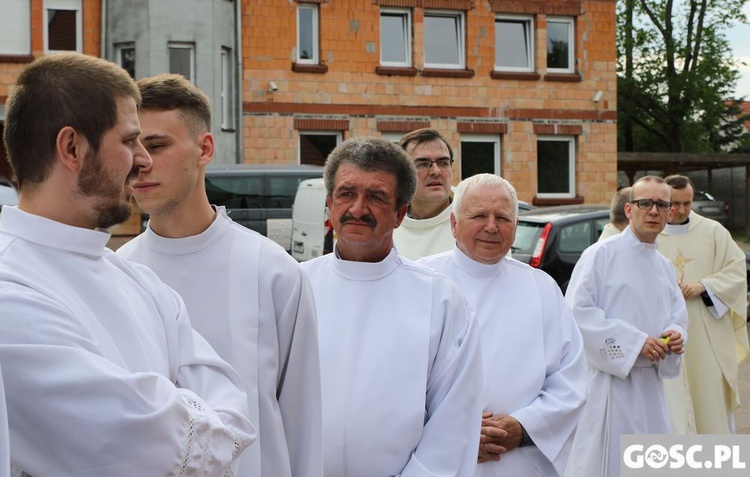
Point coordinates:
[[434, 168], [141, 158], [359, 206], [491, 225]]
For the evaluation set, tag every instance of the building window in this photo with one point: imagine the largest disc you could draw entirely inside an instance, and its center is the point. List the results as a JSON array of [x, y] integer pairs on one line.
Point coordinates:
[[15, 28], [227, 96], [514, 43], [393, 137], [395, 37], [125, 57], [182, 60], [560, 45], [443, 40], [63, 30], [556, 166], [307, 34], [479, 153], [314, 146]]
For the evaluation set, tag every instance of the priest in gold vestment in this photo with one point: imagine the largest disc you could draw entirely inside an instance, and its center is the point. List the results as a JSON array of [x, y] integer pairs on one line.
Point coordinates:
[[711, 272]]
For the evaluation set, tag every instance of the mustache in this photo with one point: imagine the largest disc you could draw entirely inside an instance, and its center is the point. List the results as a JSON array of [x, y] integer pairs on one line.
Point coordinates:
[[365, 219]]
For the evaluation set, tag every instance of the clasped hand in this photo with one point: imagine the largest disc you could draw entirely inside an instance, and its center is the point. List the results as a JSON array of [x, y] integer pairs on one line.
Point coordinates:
[[500, 433]]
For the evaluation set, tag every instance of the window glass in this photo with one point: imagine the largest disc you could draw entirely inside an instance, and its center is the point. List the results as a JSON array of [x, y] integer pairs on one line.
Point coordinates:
[[15, 27], [514, 44], [479, 154], [526, 236], [125, 55], [315, 147], [395, 38], [182, 60], [281, 190], [61, 30], [307, 33], [443, 40], [555, 167], [236, 192], [575, 238], [560, 45]]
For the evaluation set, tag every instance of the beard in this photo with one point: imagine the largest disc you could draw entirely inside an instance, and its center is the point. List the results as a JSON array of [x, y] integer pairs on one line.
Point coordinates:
[[94, 181]]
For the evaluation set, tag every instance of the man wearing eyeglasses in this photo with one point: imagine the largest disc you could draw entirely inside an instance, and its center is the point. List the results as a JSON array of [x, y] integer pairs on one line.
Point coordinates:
[[426, 229], [625, 299], [711, 273]]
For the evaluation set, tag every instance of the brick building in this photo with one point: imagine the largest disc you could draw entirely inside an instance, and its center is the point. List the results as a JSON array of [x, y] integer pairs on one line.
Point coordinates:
[[522, 89]]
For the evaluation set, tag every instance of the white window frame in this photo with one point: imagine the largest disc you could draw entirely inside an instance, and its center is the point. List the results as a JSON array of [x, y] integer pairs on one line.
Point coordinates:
[[227, 91], [15, 27], [461, 38], [63, 5], [571, 140], [405, 15], [571, 44], [176, 45], [487, 138], [393, 137], [528, 21], [304, 132], [119, 47], [315, 34]]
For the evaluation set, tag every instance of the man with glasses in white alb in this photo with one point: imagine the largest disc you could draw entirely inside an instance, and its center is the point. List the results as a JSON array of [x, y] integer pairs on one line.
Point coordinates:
[[426, 229], [624, 296]]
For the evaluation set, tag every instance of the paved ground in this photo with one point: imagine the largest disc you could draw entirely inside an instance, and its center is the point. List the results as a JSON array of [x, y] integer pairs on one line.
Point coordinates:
[[742, 417]]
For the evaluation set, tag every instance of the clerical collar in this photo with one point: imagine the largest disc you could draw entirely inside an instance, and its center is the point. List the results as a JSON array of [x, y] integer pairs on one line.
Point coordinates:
[[678, 229]]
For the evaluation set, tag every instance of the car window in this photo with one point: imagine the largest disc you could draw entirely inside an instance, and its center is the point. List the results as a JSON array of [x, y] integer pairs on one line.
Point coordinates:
[[575, 238], [526, 235], [698, 196], [235, 192], [600, 224], [281, 191]]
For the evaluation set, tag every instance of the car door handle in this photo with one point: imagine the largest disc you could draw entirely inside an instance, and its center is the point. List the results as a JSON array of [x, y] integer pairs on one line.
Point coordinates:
[[304, 234]]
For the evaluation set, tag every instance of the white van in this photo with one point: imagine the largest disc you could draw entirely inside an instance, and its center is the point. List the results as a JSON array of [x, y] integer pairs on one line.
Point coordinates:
[[312, 234]]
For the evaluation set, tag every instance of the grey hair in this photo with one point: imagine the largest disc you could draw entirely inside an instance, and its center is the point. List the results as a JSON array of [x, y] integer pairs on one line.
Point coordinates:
[[483, 180], [373, 154]]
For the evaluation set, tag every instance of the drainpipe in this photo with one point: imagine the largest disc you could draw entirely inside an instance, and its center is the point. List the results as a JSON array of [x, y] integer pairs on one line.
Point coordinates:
[[239, 128], [103, 52]]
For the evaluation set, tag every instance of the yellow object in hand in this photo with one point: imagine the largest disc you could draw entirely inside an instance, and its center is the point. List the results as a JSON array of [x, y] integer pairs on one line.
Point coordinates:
[[665, 340]]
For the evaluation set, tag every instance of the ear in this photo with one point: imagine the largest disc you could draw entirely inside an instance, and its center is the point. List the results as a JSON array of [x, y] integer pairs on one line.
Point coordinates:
[[670, 214], [628, 209], [207, 149], [400, 214], [71, 148], [453, 224]]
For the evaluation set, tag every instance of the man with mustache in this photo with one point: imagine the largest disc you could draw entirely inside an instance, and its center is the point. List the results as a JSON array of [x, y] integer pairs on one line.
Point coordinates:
[[103, 373], [426, 228], [400, 364]]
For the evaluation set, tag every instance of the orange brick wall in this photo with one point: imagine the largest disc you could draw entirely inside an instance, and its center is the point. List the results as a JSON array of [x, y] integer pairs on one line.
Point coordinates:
[[350, 89]]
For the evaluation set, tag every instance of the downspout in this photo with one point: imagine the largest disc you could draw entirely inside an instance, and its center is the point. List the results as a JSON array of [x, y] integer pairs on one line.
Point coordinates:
[[103, 52], [239, 128]]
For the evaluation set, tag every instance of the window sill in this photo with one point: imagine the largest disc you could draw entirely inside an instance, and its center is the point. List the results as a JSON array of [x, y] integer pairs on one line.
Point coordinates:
[[302, 68], [447, 73], [396, 71], [558, 200], [514, 75], [16, 58], [563, 77]]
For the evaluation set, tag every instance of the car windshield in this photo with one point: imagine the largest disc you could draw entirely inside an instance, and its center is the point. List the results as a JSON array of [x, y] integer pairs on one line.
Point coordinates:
[[526, 235]]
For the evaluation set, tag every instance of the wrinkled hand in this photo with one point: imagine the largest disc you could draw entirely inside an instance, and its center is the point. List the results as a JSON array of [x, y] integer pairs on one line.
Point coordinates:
[[691, 290], [500, 433], [676, 344], [654, 349]]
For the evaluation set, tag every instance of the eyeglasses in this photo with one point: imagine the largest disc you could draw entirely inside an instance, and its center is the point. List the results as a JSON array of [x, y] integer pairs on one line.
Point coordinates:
[[646, 204], [426, 164]]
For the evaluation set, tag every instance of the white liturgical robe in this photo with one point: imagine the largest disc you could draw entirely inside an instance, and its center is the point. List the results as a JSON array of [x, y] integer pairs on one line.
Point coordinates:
[[532, 357], [104, 375], [4, 449], [417, 238], [705, 252], [250, 300], [401, 370], [621, 292]]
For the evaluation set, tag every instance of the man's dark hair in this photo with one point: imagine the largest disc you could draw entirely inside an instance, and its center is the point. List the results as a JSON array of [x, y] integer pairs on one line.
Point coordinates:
[[373, 154], [677, 181], [55, 91], [168, 92], [423, 136]]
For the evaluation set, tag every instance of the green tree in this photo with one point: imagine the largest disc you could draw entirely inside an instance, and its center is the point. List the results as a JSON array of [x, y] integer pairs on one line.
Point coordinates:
[[676, 76]]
